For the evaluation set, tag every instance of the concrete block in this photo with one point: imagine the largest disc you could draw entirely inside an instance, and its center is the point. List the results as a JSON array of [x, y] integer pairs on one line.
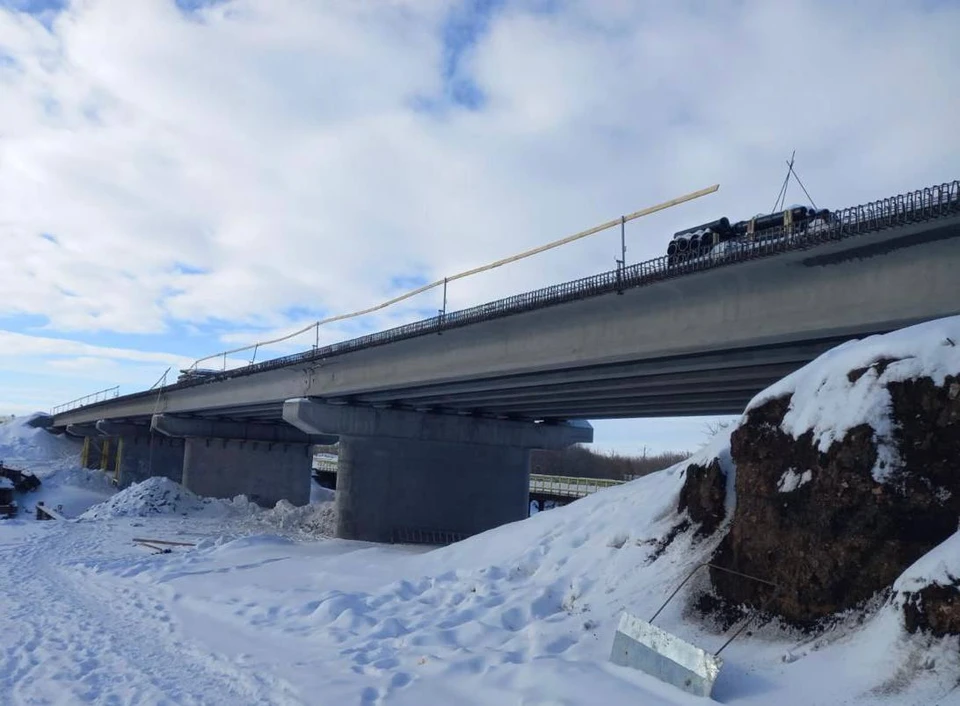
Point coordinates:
[[643, 646]]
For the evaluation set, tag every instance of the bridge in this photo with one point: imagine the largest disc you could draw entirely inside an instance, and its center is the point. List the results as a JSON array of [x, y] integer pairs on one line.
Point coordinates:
[[439, 415]]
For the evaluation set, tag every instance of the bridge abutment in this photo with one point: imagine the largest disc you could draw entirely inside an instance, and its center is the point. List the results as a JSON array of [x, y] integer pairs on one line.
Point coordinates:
[[221, 459], [411, 476]]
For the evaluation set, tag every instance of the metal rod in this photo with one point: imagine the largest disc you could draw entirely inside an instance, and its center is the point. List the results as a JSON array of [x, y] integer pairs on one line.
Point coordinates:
[[623, 241], [713, 566]]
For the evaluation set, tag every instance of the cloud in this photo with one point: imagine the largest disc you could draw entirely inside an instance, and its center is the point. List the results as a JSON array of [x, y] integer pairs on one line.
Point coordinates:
[[240, 168]]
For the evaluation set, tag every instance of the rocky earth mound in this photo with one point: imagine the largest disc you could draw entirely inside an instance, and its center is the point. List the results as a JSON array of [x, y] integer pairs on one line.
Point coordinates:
[[847, 473]]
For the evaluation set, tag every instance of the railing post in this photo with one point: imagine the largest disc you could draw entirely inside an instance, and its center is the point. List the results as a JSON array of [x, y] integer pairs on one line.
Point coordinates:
[[442, 313]]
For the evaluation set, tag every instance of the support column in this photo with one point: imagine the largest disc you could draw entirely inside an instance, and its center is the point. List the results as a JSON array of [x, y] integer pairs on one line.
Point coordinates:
[[409, 476], [223, 459], [392, 490], [141, 454]]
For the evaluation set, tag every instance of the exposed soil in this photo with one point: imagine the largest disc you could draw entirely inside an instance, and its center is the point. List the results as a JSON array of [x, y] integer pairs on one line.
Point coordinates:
[[839, 536], [934, 609], [702, 496]]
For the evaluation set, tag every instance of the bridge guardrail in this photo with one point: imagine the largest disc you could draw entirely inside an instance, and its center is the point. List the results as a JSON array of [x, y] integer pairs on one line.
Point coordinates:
[[569, 486], [92, 398], [933, 202]]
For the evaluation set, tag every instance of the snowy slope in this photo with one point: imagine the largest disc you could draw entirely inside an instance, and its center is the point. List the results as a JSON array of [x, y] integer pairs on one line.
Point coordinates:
[[19, 443]]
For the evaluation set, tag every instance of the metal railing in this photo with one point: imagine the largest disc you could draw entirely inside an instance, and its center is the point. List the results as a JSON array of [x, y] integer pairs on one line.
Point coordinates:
[[569, 486], [92, 398], [933, 202], [325, 465]]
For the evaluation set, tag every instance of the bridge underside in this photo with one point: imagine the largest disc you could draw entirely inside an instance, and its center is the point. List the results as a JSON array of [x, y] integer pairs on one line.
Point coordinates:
[[704, 384]]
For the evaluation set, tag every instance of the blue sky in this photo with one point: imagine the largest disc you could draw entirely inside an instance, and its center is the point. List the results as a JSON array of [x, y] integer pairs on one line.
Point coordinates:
[[183, 177]]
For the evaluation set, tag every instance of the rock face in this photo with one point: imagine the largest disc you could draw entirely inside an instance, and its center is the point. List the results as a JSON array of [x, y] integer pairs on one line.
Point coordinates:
[[819, 524]]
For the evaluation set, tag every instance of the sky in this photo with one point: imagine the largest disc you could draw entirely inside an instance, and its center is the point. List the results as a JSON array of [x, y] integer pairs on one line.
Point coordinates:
[[178, 177]]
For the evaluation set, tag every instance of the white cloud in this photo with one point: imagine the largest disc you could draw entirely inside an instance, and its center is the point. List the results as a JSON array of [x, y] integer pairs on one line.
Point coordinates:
[[17, 345], [260, 163]]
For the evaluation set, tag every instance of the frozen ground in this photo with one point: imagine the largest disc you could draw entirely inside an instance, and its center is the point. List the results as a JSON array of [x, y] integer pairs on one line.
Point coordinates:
[[265, 610]]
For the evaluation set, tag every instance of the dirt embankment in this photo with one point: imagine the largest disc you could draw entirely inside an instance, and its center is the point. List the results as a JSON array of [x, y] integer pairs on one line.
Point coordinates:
[[820, 524]]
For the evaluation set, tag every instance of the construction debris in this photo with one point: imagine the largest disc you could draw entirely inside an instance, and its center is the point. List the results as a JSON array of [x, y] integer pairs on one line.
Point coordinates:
[[45, 513], [160, 546], [8, 506], [22, 482]]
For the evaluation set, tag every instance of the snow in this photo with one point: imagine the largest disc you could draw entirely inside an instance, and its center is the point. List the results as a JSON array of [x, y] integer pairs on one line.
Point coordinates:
[[264, 608], [791, 480], [5, 483], [940, 566], [20, 442], [152, 497], [827, 403]]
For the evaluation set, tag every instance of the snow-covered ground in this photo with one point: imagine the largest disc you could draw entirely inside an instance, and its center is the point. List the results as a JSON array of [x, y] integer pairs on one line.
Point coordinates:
[[266, 609]]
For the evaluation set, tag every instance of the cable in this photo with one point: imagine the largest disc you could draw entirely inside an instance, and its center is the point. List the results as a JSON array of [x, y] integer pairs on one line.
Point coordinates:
[[476, 270], [803, 187]]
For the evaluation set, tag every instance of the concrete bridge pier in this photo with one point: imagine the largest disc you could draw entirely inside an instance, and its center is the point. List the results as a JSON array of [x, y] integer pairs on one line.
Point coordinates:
[[223, 459], [411, 476], [141, 454]]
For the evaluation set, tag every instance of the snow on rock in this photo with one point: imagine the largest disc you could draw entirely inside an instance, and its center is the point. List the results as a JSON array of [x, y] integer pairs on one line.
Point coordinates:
[[928, 592], [791, 480], [940, 566], [6, 483], [848, 473], [847, 386]]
